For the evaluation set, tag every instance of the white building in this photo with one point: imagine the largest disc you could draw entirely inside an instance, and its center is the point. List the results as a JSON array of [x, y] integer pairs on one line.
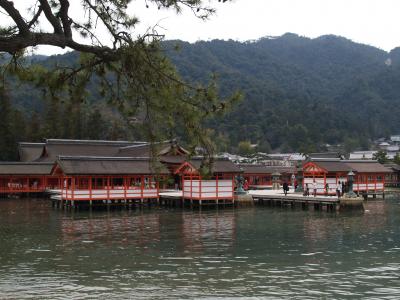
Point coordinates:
[[395, 138], [368, 155]]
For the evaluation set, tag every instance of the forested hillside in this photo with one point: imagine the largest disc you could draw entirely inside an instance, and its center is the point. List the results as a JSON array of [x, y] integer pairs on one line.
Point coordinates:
[[299, 94]]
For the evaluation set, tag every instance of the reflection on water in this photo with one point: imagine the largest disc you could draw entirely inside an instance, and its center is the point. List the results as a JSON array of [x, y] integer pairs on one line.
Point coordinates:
[[160, 253]]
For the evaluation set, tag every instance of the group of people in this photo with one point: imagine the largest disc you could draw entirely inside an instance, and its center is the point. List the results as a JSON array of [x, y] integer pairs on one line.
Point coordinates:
[[341, 188]]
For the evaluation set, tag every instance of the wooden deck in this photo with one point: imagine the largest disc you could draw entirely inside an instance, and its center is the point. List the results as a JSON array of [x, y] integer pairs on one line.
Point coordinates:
[[278, 198]]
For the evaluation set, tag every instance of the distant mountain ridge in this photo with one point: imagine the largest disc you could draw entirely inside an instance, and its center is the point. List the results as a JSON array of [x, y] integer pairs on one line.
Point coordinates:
[[299, 93]]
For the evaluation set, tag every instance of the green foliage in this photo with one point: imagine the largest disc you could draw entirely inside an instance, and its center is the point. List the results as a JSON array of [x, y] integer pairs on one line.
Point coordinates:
[[396, 159], [299, 94], [245, 148], [7, 134], [381, 156], [133, 75]]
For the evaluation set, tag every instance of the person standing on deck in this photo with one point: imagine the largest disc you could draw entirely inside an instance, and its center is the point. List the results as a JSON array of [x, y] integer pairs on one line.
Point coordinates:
[[285, 187], [326, 189], [246, 185], [343, 187], [339, 189], [314, 186], [307, 190]]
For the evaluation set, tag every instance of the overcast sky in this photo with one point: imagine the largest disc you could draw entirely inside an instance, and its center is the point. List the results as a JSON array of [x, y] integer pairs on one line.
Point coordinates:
[[373, 22]]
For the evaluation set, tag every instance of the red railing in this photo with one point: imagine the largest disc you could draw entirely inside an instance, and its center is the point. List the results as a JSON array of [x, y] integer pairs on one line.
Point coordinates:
[[28, 184], [109, 188], [195, 188]]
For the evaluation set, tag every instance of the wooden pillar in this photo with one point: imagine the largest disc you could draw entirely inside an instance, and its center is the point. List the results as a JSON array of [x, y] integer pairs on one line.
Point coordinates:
[[108, 189], [125, 187], [141, 188], [383, 182], [233, 188], [216, 188], [200, 190], [72, 187], [90, 190]]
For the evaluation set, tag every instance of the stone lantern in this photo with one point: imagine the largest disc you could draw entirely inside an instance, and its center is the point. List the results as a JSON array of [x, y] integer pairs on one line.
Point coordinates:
[[276, 181], [350, 193], [239, 183]]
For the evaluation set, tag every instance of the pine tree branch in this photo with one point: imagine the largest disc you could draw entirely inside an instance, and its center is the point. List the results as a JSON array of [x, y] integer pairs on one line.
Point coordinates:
[[8, 6], [35, 17], [15, 43], [51, 17], [66, 21]]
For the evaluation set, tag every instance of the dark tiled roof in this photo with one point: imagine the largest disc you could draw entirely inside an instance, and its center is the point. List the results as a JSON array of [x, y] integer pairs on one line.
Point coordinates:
[[108, 166], [261, 169], [332, 165], [144, 150], [55, 148], [173, 159], [25, 168], [219, 165], [364, 166], [394, 167], [134, 151], [92, 142], [361, 166], [30, 151]]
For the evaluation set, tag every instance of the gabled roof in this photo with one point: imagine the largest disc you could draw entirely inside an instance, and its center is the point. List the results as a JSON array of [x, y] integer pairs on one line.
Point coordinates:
[[92, 142], [29, 151], [57, 147], [329, 165], [358, 166], [219, 165], [25, 168], [393, 166], [362, 166], [173, 159], [86, 165], [144, 150]]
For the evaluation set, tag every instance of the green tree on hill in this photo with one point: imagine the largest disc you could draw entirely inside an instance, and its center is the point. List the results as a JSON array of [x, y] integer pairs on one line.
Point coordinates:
[[245, 148], [132, 73], [381, 156]]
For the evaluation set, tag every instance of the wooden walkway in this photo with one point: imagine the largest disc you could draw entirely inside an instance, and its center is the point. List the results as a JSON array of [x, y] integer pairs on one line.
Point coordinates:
[[173, 198], [277, 198]]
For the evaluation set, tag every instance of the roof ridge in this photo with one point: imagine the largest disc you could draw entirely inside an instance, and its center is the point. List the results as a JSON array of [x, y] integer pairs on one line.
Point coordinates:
[[332, 159], [144, 144], [24, 163], [94, 142], [111, 158], [31, 143], [360, 161]]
